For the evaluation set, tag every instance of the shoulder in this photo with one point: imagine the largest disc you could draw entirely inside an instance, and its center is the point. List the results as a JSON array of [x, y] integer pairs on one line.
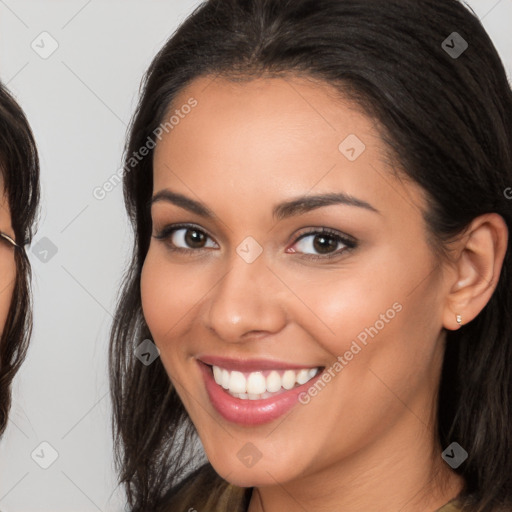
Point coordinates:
[[452, 506], [204, 490]]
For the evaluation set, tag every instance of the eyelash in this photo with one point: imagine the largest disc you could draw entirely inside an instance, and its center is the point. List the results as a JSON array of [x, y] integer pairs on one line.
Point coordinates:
[[349, 242]]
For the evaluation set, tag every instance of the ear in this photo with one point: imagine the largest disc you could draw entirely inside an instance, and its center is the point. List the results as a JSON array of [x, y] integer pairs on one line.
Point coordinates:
[[476, 268]]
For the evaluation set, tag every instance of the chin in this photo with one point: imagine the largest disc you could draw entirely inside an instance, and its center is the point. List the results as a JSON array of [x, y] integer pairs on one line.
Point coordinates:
[[262, 473]]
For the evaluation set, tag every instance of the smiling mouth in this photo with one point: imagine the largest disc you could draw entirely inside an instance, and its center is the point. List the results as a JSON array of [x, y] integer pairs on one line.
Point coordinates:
[[260, 385]]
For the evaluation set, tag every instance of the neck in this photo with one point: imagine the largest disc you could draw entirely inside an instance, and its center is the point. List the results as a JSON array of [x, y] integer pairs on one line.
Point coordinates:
[[397, 472]]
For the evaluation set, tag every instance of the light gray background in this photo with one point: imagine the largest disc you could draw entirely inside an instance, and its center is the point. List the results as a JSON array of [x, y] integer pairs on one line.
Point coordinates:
[[79, 101]]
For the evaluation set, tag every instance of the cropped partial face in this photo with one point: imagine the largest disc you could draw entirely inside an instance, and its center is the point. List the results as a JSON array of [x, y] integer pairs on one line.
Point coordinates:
[[289, 284], [7, 262]]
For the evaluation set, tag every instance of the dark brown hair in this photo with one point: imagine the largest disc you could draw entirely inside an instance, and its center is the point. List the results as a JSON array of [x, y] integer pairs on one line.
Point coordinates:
[[19, 168], [447, 120]]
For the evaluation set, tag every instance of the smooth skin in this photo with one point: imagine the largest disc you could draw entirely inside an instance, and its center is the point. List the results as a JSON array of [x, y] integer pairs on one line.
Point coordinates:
[[366, 441], [7, 262]]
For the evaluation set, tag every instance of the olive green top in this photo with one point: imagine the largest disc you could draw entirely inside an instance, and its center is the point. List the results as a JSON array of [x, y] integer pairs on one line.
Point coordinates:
[[205, 491]]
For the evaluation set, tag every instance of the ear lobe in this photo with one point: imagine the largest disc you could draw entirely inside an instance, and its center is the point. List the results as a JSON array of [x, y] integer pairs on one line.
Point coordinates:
[[477, 269]]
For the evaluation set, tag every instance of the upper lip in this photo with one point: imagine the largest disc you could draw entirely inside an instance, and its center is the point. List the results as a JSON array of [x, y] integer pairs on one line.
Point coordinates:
[[251, 365]]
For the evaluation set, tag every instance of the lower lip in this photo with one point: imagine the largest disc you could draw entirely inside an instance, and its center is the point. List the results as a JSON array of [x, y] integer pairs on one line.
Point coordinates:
[[250, 412]]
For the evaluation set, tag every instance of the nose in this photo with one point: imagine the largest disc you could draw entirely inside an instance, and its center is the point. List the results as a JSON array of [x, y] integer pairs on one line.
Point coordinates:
[[247, 301]]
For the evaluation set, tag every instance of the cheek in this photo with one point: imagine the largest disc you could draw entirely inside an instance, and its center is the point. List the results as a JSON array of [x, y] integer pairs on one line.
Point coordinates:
[[339, 306], [385, 311], [168, 294], [7, 280]]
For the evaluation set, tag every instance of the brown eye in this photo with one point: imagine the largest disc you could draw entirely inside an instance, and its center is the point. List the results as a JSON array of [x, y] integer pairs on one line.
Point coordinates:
[[185, 238], [323, 243], [194, 238]]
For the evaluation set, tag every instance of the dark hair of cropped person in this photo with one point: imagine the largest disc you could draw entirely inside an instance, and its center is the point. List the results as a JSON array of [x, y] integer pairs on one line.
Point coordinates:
[[447, 123], [19, 173]]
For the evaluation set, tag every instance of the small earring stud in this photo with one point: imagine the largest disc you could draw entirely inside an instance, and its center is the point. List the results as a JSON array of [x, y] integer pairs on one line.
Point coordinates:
[[459, 319]]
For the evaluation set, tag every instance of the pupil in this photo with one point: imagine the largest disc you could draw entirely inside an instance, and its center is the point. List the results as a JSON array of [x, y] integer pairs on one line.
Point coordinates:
[[323, 243], [194, 238]]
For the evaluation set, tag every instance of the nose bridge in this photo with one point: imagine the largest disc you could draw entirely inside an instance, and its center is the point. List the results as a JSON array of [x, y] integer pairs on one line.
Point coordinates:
[[245, 300]]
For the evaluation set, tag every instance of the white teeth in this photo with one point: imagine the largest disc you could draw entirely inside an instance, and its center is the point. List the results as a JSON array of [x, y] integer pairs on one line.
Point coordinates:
[[303, 376], [289, 379], [256, 386], [273, 382], [224, 381], [256, 383], [217, 374], [237, 383]]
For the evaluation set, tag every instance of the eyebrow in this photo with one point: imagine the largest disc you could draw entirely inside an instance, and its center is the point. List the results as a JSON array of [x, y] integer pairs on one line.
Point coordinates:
[[290, 208]]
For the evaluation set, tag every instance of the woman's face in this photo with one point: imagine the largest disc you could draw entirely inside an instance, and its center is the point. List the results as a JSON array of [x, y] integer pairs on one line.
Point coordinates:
[[254, 288], [7, 262]]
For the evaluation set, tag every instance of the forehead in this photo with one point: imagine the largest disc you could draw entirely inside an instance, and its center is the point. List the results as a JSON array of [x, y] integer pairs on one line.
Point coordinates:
[[260, 115], [269, 136]]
